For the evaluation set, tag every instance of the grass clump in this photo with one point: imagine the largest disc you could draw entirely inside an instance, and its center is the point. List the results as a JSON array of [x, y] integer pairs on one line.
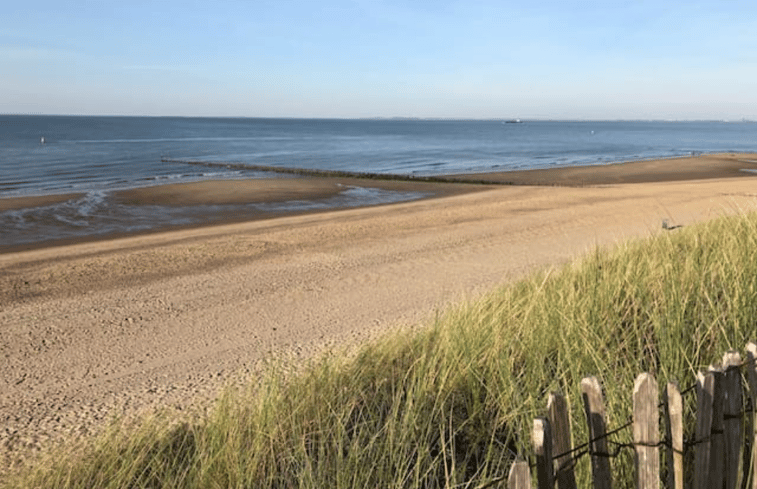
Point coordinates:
[[452, 405]]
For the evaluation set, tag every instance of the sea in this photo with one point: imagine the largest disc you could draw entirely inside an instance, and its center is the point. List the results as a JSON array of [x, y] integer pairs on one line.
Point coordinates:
[[95, 156]]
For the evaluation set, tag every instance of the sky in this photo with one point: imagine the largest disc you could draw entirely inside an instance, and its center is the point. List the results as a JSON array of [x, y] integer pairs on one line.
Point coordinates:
[[478, 59]]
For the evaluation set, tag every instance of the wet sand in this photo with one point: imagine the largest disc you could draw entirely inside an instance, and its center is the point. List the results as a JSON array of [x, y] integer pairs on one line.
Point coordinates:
[[15, 203], [726, 165], [123, 326], [270, 190], [220, 202]]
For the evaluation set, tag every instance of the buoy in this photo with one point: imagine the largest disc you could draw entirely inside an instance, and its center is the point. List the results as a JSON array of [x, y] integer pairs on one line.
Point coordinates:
[[42, 140]]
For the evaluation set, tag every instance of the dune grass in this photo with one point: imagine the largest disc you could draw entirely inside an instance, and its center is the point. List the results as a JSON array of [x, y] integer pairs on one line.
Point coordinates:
[[452, 405]]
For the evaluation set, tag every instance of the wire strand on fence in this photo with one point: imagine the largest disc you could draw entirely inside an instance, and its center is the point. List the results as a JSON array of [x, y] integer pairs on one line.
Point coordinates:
[[593, 440], [580, 451]]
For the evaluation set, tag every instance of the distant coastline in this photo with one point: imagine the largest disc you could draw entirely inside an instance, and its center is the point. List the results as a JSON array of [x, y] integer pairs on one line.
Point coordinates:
[[384, 118]]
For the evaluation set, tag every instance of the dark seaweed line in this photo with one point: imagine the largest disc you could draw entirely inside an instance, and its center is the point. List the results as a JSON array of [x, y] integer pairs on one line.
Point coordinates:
[[334, 173]]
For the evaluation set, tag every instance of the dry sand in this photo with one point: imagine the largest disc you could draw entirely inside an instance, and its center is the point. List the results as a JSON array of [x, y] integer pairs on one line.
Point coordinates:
[[117, 327]]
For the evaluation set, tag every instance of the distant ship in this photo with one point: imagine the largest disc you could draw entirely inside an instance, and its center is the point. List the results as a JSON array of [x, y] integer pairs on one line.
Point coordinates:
[[514, 121]]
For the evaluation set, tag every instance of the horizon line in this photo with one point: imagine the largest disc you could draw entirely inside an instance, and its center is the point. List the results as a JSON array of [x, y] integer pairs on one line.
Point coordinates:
[[388, 118]]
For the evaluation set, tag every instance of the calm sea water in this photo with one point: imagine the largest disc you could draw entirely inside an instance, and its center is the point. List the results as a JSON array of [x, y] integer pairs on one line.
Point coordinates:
[[96, 155]]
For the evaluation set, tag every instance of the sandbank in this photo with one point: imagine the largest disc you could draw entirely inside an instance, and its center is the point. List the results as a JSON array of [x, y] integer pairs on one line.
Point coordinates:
[[123, 326], [270, 190], [724, 165]]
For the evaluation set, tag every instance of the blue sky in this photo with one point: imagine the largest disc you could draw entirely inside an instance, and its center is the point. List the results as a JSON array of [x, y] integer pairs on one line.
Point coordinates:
[[381, 58]]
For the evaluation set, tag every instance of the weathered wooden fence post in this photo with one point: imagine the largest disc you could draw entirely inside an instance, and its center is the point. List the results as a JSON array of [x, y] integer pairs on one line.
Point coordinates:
[[520, 475], [751, 377], [724, 433], [732, 423], [559, 419], [594, 405], [717, 447], [705, 390], [646, 432], [674, 432], [542, 440]]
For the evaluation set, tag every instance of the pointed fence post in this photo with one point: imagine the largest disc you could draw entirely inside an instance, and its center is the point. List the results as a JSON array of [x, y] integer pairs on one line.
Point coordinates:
[[646, 432], [751, 377], [706, 391], [559, 419], [520, 475], [542, 440], [674, 432], [717, 448], [732, 424], [594, 406]]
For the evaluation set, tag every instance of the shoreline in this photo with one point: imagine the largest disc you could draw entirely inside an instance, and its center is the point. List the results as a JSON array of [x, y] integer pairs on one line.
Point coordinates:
[[232, 194], [314, 188], [121, 327]]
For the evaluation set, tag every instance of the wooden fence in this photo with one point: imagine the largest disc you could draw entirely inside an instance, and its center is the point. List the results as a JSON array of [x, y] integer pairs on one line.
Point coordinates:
[[724, 445]]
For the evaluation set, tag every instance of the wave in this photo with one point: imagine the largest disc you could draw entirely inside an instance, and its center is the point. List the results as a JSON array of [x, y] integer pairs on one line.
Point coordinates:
[[172, 140]]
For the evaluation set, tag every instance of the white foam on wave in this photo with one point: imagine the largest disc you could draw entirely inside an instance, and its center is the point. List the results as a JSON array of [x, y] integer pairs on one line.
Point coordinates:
[[90, 203], [177, 140], [351, 196], [82, 211], [96, 213], [73, 212]]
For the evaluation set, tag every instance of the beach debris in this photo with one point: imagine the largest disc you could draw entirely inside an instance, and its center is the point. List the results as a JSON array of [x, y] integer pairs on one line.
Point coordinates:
[[668, 227]]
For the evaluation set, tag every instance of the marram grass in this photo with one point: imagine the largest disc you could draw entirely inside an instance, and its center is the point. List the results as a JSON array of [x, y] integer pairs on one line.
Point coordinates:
[[451, 406]]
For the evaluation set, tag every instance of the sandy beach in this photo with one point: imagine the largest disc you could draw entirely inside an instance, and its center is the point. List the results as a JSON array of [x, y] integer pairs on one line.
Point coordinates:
[[122, 326]]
